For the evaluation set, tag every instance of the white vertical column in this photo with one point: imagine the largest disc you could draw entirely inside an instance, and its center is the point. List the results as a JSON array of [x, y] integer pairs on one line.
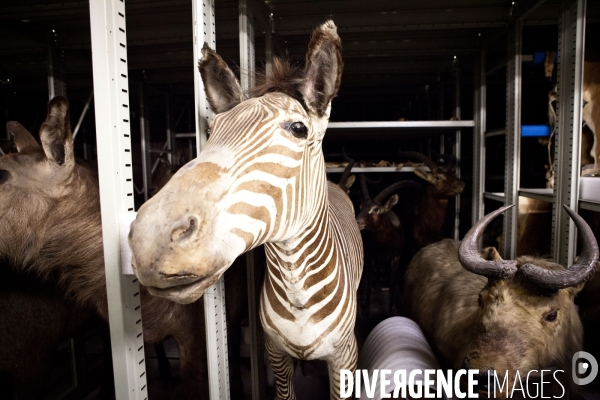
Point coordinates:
[[571, 44], [247, 65], [479, 113], [269, 45], [204, 31], [513, 140], [111, 89], [214, 296], [246, 44], [457, 148]]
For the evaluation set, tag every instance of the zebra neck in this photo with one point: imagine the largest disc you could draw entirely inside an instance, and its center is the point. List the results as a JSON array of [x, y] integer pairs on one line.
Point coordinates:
[[298, 265]]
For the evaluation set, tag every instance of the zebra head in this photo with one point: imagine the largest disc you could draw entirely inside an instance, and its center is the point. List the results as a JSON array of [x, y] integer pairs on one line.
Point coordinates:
[[260, 178]]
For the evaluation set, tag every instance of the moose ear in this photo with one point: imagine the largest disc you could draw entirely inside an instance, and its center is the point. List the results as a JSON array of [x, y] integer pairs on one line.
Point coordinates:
[[55, 133], [323, 71], [223, 90], [23, 139]]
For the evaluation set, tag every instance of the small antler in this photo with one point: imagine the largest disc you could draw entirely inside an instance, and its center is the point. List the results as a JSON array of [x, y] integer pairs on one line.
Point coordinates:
[[347, 170]]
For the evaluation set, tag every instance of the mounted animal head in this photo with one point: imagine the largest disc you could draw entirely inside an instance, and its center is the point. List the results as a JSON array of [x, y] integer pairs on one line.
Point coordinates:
[[443, 179], [260, 177], [373, 210], [527, 319], [46, 200]]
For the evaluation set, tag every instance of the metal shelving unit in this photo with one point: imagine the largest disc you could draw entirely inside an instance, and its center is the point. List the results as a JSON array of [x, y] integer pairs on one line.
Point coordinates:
[[111, 87], [567, 146], [109, 43]]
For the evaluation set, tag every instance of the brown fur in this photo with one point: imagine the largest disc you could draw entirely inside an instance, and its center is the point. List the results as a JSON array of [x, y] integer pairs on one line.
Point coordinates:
[[491, 325], [430, 213], [26, 351], [383, 242], [51, 225], [589, 311]]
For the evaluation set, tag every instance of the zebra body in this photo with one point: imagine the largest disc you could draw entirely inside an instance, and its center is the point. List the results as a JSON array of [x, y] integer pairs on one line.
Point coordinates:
[[261, 180]]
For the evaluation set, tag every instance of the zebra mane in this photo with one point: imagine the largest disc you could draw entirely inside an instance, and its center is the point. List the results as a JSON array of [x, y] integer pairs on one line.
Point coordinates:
[[284, 78]]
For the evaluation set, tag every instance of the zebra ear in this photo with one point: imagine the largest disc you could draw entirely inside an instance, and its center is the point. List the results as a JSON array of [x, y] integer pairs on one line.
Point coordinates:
[[223, 90], [323, 71]]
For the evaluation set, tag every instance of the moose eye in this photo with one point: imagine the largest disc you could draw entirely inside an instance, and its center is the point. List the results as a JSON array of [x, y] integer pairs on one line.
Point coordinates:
[[551, 317], [299, 130], [4, 175]]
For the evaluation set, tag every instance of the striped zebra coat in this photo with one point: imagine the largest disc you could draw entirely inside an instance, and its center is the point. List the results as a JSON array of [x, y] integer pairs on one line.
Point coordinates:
[[261, 180]]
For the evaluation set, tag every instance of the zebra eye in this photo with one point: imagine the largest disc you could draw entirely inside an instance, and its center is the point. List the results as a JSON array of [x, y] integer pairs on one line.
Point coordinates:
[[299, 130]]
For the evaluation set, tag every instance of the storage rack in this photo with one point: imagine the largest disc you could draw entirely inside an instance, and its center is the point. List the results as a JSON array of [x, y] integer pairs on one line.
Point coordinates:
[[567, 146], [115, 160], [398, 126]]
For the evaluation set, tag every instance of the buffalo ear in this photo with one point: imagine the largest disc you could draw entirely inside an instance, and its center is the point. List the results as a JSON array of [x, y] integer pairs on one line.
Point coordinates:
[[490, 254], [222, 88], [323, 71], [22, 138], [55, 133]]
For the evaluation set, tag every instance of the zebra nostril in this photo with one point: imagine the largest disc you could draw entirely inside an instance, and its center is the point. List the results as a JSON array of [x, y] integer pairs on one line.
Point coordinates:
[[184, 231]]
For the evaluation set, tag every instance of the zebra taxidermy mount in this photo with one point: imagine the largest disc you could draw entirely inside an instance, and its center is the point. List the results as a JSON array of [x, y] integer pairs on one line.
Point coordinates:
[[261, 179]]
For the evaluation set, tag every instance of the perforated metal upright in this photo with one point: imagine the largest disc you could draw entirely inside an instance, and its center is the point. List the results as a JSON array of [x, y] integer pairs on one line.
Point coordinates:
[[246, 44], [214, 296], [111, 89], [513, 139], [457, 147], [479, 113], [571, 43]]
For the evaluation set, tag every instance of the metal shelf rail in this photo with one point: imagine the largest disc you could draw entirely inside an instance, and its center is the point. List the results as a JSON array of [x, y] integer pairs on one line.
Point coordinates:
[[111, 88], [109, 57], [402, 124], [214, 297], [567, 144]]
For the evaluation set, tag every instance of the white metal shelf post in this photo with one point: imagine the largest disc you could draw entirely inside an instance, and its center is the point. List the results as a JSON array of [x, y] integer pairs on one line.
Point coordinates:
[[109, 58], [247, 66], [571, 43], [214, 297], [479, 114], [457, 147], [513, 139]]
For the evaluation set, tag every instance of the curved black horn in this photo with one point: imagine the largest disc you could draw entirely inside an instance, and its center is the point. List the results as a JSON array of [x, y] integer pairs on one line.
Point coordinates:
[[392, 188], [347, 170], [421, 157], [577, 273], [470, 259], [363, 185]]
